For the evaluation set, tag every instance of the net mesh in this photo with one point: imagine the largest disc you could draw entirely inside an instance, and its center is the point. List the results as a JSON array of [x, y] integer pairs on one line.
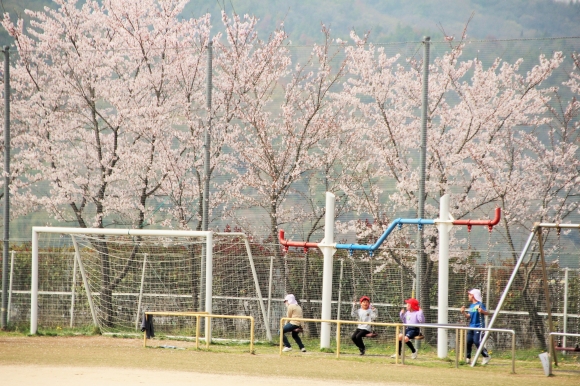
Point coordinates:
[[171, 282], [127, 276]]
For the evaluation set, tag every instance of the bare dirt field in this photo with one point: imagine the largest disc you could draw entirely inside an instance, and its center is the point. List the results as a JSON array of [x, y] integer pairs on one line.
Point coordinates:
[[98, 360]]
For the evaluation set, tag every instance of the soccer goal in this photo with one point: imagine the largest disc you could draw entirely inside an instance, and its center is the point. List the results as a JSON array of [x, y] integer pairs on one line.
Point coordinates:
[[109, 277]]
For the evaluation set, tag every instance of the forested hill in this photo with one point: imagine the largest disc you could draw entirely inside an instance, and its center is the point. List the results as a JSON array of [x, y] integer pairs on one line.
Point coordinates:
[[388, 20]]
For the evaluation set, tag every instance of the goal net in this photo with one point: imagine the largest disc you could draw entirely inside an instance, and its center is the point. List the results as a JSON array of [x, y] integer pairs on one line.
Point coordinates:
[[109, 278]]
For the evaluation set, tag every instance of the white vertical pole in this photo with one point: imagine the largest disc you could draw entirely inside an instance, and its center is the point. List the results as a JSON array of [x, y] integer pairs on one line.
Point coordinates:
[[270, 287], [85, 281], [565, 316], [339, 290], [443, 299], [137, 319], [73, 291], [34, 285], [504, 294], [258, 290], [10, 286], [488, 291], [328, 252], [208, 280]]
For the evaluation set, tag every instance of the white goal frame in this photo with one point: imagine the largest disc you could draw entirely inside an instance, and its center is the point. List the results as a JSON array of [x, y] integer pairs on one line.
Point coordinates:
[[208, 235]]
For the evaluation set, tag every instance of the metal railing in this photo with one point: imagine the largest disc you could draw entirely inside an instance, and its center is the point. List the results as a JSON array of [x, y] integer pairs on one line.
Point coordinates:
[[208, 318], [398, 326]]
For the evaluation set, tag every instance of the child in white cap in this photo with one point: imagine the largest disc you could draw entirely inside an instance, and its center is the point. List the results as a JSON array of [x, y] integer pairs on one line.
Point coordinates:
[[475, 314], [293, 311]]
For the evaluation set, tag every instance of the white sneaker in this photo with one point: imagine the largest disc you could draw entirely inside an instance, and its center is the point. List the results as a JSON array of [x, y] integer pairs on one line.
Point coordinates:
[[414, 355], [467, 360], [303, 349], [286, 349], [486, 360], [394, 356]]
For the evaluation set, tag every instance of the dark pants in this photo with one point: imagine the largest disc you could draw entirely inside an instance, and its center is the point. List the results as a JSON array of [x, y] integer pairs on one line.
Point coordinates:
[[357, 338], [474, 337], [291, 327], [410, 332]]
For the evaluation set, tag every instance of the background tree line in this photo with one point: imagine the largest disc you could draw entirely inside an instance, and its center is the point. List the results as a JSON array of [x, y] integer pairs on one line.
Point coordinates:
[[108, 111]]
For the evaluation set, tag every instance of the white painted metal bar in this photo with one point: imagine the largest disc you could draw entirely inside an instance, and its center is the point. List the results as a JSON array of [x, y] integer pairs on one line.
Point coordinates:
[[208, 281], [443, 281], [73, 291], [565, 312], [270, 287], [328, 252], [258, 291], [10, 287], [34, 285], [137, 317], [504, 295], [128, 232], [85, 282]]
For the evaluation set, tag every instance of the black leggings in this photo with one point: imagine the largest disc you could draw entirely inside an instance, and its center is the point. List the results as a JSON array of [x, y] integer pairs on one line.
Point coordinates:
[[357, 338]]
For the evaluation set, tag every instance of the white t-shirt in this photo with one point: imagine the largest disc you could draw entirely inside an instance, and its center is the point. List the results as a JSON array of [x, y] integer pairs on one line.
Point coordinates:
[[367, 315]]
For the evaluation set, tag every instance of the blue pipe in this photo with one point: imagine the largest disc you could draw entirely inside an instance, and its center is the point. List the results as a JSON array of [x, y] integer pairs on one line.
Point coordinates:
[[400, 221]]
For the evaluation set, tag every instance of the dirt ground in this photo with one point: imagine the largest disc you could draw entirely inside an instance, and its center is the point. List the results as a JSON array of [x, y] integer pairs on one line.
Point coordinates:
[[97, 360]]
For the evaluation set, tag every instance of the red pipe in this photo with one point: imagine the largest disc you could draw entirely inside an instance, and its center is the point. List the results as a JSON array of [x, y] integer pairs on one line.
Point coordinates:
[[288, 243], [489, 223]]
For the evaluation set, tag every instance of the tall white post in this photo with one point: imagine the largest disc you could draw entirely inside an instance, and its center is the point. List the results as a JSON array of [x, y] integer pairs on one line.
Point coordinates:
[[73, 291], [139, 301], [208, 280], [10, 286], [34, 285], [328, 251], [565, 315], [443, 288]]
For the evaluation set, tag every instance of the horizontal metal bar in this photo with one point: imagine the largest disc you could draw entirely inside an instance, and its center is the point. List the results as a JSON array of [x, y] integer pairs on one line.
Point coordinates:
[[117, 232]]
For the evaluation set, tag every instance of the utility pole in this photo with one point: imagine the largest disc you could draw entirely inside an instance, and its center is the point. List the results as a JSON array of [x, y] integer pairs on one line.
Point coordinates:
[[420, 266], [6, 246], [206, 172]]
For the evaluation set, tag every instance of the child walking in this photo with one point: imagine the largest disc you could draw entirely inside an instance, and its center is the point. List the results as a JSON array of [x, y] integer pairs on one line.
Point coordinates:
[[364, 314], [412, 315], [293, 311], [475, 314]]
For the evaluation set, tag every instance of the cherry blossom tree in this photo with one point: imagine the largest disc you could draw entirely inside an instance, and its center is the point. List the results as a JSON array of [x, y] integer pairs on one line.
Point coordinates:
[[287, 122], [98, 91], [109, 114], [485, 144]]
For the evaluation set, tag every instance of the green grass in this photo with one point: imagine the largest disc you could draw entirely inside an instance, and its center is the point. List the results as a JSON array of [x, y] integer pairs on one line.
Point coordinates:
[[126, 351]]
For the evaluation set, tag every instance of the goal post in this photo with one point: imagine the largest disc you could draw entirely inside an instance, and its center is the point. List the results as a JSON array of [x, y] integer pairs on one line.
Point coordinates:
[[111, 232], [125, 272]]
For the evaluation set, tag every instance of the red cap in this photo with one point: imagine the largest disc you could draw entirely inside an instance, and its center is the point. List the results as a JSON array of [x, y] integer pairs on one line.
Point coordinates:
[[414, 304], [365, 298]]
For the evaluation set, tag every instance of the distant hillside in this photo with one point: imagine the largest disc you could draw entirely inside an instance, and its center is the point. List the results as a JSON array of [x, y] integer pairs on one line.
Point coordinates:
[[388, 20]]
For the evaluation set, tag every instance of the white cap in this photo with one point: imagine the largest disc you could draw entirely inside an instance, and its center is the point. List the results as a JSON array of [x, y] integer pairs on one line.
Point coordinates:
[[290, 299], [476, 294]]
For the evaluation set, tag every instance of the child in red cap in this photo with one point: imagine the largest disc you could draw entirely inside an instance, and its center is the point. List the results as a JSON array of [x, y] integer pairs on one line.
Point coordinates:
[[366, 313], [413, 315]]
